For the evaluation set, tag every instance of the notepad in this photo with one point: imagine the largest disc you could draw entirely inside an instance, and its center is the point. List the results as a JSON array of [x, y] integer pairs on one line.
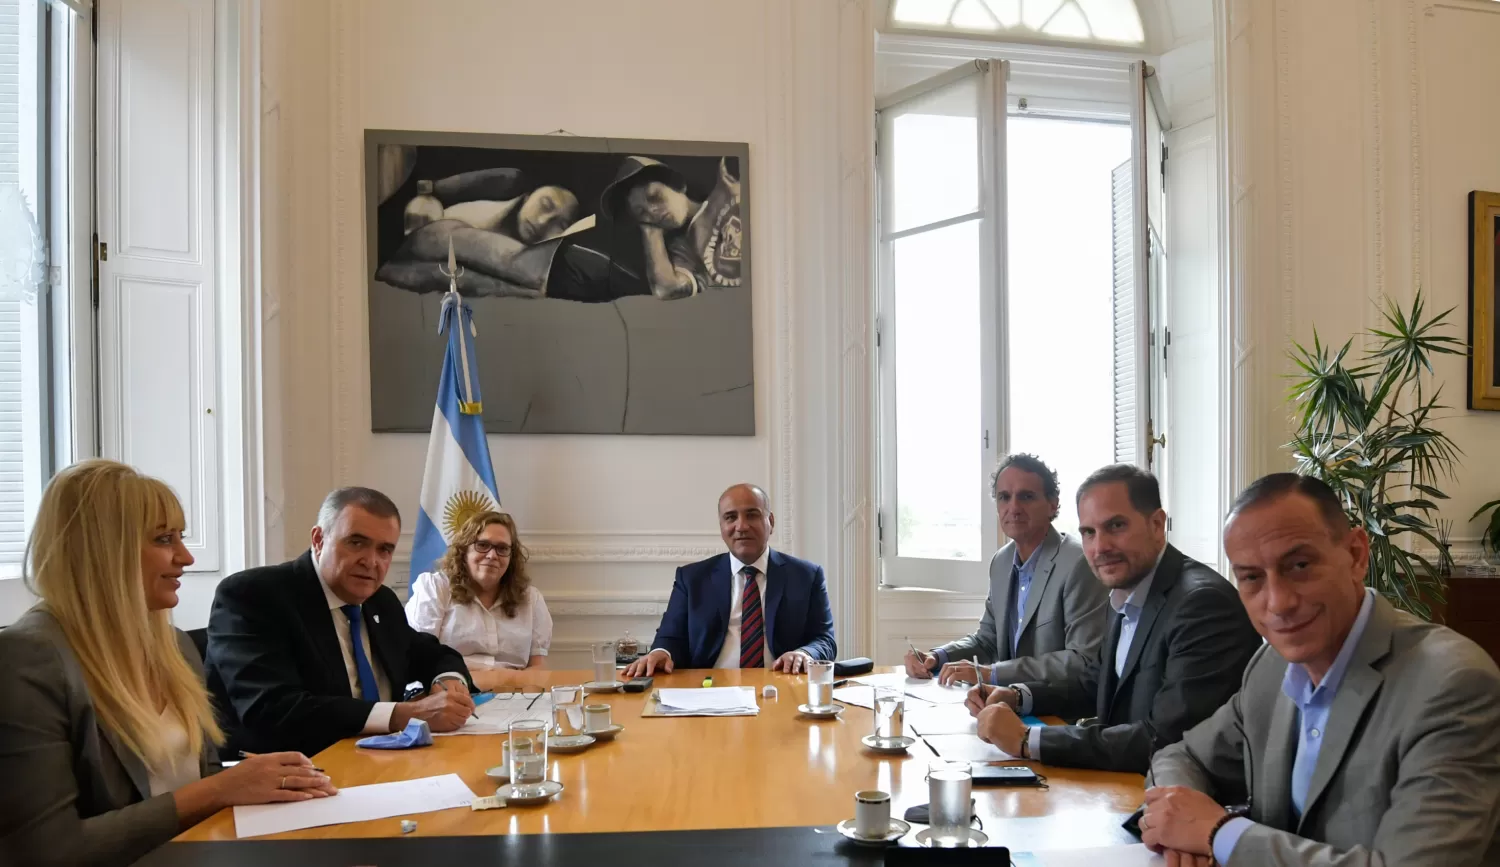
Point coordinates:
[[708, 701], [355, 804], [494, 717]]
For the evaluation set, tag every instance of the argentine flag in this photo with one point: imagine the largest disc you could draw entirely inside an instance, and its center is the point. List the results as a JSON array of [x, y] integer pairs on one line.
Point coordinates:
[[459, 480]]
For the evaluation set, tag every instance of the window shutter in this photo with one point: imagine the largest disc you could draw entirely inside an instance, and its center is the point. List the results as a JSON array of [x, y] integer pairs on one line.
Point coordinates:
[[1126, 372], [12, 449]]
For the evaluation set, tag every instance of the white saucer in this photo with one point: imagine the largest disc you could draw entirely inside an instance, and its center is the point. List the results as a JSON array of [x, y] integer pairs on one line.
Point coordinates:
[[550, 790], [570, 743], [601, 686], [828, 712], [607, 734], [888, 745], [897, 830], [499, 773], [976, 839]]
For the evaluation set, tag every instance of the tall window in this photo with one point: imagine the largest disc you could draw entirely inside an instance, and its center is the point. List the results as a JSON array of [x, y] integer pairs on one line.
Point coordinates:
[[1013, 307], [1109, 21], [35, 59]]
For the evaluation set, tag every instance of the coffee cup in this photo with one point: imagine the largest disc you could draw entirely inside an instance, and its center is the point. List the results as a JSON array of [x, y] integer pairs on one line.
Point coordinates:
[[596, 718], [872, 814]]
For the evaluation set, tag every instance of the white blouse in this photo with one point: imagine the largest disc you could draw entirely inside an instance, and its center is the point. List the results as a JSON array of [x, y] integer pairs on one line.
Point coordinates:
[[182, 767], [485, 637]]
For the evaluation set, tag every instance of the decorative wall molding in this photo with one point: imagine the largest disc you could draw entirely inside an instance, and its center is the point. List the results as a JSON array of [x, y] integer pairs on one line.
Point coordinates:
[[347, 278], [1414, 93], [1374, 157]]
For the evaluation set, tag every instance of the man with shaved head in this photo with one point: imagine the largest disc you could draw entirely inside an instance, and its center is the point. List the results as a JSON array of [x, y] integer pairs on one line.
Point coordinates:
[[1360, 735], [750, 607]]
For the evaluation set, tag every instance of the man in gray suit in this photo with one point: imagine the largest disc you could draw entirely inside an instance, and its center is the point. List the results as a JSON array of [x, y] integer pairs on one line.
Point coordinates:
[[1360, 736], [1045, 611]]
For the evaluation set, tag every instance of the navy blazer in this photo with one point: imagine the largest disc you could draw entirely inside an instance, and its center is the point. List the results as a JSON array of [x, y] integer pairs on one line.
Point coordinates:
[[697, 618]]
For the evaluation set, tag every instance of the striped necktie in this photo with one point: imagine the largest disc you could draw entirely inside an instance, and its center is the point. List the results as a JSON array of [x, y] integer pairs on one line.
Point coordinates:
[[752, 623]]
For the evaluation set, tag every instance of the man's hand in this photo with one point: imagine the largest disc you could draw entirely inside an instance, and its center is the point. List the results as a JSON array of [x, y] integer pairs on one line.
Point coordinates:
[[999, 725], [963, 671], [453, 685], [1183, 859], [656, 660], [792, 662], [984, 695], [1179, 818], [919, 665], [444, 709]]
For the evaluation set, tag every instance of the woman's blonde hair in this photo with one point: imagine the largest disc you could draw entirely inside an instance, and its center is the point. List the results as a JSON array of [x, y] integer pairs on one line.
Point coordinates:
[[455, 564], [84, 561]]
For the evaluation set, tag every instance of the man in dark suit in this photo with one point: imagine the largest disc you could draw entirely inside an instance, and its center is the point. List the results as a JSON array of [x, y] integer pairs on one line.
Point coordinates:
[[743, 608], [318, 649], [1178, 642]]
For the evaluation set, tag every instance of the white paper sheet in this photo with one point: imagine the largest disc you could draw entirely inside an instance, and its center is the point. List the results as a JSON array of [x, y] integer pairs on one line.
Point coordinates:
[[495, 716], [864, 696], [1136, 855], [930, 690], [355, 804], [966, 748], [708, 701], [942, 719]]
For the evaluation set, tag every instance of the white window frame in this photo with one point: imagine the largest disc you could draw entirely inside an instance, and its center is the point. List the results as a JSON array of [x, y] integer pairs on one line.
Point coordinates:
[[972, 576]]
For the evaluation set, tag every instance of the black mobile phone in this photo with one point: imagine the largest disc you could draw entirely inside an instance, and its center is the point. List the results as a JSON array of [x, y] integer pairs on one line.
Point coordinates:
[[639, 684], [1005, 775], [902, 856]]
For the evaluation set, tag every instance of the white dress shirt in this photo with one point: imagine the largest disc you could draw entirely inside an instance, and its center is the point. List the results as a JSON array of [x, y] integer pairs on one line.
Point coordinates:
[[485, 636], [181, 766], [729, 656]]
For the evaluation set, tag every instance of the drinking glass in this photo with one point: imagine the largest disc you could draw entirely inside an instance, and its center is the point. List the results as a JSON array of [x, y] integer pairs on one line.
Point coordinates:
[[819, 684], [567, 710], [528, 756], [604, 662], [949, 787], [890, 712]]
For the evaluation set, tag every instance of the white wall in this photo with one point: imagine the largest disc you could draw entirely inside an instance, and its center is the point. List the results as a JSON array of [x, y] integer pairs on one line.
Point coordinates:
[[1358, 127], [607, 518]]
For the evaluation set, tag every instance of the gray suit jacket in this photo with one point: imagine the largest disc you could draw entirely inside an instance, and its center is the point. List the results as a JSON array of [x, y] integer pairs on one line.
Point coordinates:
[[72, 795], [1409, 770], [1062, 625]]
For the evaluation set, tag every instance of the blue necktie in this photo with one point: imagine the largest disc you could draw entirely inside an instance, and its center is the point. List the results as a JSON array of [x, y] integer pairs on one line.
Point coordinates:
[[361, 662]]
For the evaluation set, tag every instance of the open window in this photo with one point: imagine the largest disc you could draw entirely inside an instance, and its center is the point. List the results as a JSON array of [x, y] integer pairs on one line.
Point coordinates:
[[1016, 307]]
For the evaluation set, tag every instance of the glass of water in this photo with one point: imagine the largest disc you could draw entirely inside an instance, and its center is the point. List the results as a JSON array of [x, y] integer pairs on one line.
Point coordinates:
[[949, 788], [819, 684], [890, 712], [567, 711], [604, 662], [528, 756]]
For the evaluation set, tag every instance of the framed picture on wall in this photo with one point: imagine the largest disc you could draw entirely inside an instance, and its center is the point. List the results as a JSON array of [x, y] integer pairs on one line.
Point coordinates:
[[610, 280], [1484, 300]]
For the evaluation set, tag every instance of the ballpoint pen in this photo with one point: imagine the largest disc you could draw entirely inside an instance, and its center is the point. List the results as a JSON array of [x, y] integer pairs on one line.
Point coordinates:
[[245, 755]]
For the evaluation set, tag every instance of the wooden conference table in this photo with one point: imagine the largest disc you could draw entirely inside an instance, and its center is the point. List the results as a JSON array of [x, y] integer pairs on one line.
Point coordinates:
[[779, 769]]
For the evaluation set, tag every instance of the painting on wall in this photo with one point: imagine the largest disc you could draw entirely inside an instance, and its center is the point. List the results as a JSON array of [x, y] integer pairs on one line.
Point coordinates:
[[609, 279], [1484, 300]]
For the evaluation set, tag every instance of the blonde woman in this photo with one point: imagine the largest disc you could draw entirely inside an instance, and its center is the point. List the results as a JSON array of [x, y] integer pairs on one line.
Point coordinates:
[[480, 602], [106, 729]]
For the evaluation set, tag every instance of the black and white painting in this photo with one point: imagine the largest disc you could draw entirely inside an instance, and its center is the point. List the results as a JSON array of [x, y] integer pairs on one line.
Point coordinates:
[[610, 280]]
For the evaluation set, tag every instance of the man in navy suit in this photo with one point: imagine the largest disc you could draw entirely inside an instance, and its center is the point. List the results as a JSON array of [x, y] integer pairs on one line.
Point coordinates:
[[749, 608]]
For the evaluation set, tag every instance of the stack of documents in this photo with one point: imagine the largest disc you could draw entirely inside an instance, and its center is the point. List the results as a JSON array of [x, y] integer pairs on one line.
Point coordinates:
[[495, 716], [708, 701]]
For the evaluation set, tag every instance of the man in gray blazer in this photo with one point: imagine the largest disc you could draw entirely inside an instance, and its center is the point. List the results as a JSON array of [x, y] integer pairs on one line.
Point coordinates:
[[1360, 736], [1045, 612]]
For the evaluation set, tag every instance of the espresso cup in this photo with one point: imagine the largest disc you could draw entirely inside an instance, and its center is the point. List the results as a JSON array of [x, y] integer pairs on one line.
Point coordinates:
[[596, 718], [872, 814]]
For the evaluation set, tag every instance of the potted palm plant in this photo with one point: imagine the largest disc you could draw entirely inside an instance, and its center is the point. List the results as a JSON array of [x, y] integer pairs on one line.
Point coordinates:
[[1368, 428], [1490, 538]]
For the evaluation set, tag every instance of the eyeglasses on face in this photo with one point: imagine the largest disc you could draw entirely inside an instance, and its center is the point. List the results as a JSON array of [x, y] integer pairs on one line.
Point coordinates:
[[481, 547]]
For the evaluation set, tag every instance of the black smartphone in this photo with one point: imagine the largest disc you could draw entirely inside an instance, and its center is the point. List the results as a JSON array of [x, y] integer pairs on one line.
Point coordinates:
[[639, 684], [1005, 775], [901, 856]]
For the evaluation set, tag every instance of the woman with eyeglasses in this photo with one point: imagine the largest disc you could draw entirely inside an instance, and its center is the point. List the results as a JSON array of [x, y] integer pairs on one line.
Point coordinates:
[[480, 602]]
